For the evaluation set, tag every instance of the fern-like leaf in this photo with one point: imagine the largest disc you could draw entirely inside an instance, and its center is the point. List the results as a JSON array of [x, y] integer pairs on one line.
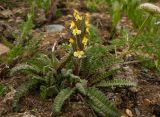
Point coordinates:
[[96, 109], [60, 98], [117, 83], [97, 59], [100, 103], [103, 76], [41, 60], [22, 91], [24, 67], [81, 88]]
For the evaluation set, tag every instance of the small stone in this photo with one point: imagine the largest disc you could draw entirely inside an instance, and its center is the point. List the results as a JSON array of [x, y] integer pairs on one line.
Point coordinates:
[[134, 89], [137, 112], [3, 49], [55, 28], [26, 114], [147, 101], [129, 113]]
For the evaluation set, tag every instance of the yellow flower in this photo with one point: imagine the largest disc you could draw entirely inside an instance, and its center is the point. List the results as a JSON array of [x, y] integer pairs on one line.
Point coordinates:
[[72, 25], [87, 30], [76, 15], [87, 23], [75, 12], [84, 41], [71, 40], [76, 32], [87, 15], [87, 20], [78, 54]]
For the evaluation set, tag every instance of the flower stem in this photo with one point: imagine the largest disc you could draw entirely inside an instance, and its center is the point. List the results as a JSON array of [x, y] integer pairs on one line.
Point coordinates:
[[139, 31], [77, 67]]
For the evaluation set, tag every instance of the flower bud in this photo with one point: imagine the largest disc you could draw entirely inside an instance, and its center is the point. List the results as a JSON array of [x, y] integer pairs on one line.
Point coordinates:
[[151, 8]]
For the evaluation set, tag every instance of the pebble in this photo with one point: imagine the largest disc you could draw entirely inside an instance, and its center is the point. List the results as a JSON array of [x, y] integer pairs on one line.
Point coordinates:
[[28, 115], [129, 113], [137, 112], [147, 101], [3, 49], [134, 89], [54, 28]]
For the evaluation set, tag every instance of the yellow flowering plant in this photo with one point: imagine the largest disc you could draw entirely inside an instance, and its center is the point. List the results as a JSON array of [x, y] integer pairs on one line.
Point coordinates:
[[78, 72], [88, 61], [79, 32]]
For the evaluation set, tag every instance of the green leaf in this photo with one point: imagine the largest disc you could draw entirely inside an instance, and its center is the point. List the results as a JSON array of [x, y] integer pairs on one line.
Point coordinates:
[[100, 103], [103, 76], [60, 98], [116, 12], [3, 89], [48, 91], [22, 91], [117, 83], [81, 88], [24, 67], [14, 52], [96, 109]]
